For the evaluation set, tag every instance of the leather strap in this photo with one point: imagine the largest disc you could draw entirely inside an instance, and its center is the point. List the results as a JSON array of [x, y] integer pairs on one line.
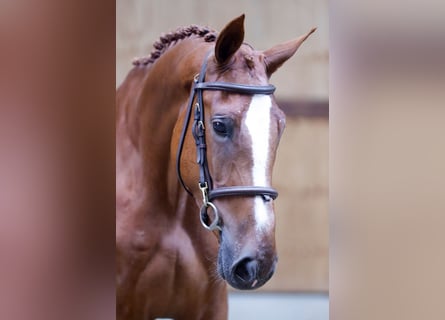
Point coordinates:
[[242, 191], [235, 87]]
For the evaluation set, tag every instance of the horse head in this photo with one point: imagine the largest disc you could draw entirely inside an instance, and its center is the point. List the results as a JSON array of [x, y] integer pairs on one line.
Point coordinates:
[[240, 141]]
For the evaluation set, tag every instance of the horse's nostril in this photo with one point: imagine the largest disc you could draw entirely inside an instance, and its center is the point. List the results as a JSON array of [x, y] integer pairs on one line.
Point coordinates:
[[246, 270]]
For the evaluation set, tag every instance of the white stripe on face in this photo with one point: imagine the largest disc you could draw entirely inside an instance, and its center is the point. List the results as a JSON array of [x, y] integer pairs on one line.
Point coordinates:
[[258, 125]]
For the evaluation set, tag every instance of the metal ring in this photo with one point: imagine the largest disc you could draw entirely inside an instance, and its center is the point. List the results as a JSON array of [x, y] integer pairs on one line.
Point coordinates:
[[214, 225]]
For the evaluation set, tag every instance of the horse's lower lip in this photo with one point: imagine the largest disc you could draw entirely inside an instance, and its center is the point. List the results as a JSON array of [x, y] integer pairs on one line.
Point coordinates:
[[242, 285]]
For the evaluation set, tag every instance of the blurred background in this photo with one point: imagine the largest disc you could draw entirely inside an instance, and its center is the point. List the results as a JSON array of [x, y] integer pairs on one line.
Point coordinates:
[[386, 161], [299, 288]]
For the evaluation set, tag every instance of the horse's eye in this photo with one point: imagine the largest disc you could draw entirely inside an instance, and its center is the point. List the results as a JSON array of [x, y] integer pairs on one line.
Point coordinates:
[[220, 127]]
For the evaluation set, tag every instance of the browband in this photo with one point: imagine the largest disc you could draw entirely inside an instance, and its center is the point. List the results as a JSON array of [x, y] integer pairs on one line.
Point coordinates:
[[235, 87]]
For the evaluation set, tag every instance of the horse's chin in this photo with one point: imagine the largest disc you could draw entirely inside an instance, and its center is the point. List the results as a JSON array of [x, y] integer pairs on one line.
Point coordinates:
[[241, 285]]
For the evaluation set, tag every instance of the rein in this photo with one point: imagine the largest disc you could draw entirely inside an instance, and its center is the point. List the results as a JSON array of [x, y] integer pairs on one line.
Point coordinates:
[[198, 131]]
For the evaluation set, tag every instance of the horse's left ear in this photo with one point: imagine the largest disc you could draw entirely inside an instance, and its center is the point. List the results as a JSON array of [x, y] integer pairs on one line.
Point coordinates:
[[277, 55], [229, 40]]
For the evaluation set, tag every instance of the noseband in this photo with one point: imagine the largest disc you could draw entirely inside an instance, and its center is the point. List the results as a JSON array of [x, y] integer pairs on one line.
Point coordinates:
[[198, 131]]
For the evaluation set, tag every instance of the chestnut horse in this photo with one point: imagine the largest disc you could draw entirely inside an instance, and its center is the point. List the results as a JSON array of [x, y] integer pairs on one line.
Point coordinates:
[[197, 133]]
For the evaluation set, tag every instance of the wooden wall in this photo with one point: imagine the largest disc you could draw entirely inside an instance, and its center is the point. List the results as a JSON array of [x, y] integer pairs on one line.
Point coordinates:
[[301, 176], [301, 171]]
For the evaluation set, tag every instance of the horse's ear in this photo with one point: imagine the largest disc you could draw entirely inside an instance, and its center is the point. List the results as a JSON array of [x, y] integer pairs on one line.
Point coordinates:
[[277, 55], [229, 40]]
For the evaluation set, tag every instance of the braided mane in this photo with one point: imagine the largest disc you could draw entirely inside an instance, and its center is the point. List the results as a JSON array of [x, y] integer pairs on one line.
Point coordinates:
[[171, 38]]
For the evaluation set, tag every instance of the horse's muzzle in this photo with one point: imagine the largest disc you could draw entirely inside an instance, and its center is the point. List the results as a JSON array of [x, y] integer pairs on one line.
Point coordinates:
[[247, 257]]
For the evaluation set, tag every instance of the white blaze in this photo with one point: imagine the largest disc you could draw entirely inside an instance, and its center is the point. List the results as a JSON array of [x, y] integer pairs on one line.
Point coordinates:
[[258, 125]]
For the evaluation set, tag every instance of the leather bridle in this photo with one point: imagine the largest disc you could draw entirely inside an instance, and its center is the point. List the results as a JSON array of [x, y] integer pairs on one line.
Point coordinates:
[[198, 131]]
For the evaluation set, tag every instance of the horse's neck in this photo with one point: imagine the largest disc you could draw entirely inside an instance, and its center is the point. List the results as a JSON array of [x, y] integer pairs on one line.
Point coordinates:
[[149, 102]]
